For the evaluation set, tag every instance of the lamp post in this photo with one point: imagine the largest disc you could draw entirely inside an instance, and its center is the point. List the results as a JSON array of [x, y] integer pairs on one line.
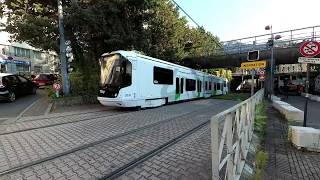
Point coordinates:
[[271, 44]]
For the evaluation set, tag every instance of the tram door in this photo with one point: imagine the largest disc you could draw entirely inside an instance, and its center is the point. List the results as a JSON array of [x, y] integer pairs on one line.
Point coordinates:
[[179, 88]]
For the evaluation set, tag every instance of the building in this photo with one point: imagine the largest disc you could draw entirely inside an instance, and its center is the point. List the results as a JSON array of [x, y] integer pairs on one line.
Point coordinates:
[[21, 58]]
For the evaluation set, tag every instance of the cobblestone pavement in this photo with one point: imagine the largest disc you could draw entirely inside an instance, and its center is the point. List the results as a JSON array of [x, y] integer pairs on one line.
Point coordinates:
[[50, 121], [188, 159], [28, 146], [285, 161], [313, 109]]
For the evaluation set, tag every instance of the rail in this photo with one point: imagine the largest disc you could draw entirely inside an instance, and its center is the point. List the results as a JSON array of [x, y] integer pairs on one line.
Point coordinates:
[[231, 133]]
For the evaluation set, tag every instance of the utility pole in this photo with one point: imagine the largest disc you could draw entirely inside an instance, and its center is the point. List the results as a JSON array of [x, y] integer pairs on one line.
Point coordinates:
[[63, 66]]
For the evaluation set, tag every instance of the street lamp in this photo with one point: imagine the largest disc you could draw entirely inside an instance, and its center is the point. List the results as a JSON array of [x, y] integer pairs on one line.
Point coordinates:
[[271, 44]]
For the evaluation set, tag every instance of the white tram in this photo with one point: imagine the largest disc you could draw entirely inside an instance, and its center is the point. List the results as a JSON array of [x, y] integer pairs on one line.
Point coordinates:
[[129, 79]]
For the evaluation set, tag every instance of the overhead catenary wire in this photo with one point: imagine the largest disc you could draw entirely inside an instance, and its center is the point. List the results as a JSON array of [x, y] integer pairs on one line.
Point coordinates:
[[192, 19], [186, 13]]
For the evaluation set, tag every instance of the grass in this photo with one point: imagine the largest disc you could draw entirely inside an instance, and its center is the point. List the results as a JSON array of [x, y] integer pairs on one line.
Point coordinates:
[[260, 126], [234, 96]]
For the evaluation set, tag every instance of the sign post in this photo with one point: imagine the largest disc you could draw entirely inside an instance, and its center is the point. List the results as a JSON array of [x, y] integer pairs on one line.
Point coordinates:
[[308, 50], [252, 66], [57, 88]]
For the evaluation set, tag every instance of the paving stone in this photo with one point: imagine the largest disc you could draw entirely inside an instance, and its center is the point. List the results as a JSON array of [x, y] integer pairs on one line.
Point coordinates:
[[285, 161], [114, 153]]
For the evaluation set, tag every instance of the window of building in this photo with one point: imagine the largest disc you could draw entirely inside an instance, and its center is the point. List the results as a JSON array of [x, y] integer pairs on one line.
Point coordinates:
[[162, 76], [190, 85], [21, 52], [22, 67], [37, 54]]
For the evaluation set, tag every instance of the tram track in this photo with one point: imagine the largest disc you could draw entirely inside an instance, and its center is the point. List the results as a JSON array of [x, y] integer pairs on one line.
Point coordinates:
[[92, 144], [127, 167], [57, 124]]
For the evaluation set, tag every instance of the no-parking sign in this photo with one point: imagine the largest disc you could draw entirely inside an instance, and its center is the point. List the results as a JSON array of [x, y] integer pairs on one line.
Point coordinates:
[[56, 86], [310, 49]]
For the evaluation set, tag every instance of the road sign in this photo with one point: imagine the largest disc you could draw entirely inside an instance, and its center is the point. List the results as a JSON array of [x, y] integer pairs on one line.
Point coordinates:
[[262, 72], [253, 65], [56, 86], [310, 49], [309, 60]]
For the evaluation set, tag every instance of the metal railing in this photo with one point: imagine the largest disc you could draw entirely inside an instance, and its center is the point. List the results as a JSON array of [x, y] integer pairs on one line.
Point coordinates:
[[288, 39], [231, 133]]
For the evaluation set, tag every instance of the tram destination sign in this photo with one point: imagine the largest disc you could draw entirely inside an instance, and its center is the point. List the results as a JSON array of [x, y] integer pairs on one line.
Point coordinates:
[[253, 65], [309, 60]]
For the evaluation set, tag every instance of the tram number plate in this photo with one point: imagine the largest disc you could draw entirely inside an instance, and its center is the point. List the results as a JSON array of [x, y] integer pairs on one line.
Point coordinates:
[[102, 91]]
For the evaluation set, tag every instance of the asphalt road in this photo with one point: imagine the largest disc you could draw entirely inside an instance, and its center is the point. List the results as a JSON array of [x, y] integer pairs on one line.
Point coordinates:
[[9, 110], [313, 109]]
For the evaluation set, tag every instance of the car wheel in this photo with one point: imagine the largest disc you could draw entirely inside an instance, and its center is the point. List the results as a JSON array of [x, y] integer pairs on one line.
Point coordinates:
[[34, 90], [12, 96]]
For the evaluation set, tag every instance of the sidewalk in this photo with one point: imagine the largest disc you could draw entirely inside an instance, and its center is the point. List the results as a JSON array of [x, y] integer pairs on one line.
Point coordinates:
[[285, 161]]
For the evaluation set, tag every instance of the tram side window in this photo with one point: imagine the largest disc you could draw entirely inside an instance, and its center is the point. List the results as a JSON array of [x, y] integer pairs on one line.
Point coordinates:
[[206, 86], [210, 86], [190, 85], [219, 86], [200, 86], [162, 76], [177, 86], [182, 85]]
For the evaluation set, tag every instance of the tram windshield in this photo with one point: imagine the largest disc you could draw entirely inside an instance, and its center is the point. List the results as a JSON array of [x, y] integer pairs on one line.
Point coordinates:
[[116, 71]]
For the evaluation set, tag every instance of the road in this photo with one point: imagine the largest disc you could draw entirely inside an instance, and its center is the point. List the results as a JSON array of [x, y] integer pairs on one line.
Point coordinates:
[[313, 109], [169, 142], [15, 108]]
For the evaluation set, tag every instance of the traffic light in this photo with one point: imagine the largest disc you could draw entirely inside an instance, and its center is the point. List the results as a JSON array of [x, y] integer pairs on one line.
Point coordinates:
[[69, 56], [253, 55]]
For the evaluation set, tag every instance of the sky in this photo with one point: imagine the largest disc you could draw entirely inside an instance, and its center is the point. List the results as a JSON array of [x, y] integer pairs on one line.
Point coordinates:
[[235, 19]]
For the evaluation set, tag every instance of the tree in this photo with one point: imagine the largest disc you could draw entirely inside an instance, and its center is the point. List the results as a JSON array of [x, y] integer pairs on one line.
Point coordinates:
[[95, 27]]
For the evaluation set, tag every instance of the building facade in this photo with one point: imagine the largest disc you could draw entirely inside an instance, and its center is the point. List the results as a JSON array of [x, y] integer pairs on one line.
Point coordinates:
[[21, 58]]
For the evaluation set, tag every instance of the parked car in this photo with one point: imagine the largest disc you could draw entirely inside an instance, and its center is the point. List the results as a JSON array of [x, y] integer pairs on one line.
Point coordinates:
[[44, 79], [12, 86]]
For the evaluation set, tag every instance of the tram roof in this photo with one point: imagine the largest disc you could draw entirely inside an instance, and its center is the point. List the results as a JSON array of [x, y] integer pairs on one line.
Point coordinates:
[[135, 54]]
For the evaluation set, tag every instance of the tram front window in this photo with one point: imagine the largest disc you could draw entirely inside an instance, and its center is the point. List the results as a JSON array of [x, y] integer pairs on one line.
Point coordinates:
[[116, 71]]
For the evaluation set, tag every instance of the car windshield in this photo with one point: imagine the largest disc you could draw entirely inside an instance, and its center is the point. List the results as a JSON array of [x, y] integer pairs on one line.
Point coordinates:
[[115, 71]]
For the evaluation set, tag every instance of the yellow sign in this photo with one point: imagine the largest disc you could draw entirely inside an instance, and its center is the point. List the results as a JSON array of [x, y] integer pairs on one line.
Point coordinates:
[[253, 65]]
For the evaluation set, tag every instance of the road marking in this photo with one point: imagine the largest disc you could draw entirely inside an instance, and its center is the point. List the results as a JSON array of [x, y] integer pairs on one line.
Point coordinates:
[[26, 109], [48, 109]]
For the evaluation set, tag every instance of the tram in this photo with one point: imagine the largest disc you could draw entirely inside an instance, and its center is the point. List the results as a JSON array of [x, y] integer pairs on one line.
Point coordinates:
[[130, 79]]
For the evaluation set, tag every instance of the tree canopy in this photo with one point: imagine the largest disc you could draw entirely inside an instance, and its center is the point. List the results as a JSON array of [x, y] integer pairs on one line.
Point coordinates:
[[154, 27]]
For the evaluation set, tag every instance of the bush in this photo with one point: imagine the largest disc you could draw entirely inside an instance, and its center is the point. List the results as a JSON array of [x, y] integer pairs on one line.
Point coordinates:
[[82, 85]]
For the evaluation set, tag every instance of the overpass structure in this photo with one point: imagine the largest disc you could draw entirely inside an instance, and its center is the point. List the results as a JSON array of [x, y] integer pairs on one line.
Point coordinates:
[[234, 52]]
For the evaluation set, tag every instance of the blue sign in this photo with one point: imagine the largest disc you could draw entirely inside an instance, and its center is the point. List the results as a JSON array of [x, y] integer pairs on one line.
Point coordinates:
[[6, 61]]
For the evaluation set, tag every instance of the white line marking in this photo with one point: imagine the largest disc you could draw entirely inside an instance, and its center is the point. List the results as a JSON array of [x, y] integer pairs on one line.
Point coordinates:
[[26, 109]]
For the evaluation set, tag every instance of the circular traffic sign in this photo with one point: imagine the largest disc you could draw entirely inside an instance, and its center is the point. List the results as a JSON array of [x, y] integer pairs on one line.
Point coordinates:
[[56, 86], [310, 49]]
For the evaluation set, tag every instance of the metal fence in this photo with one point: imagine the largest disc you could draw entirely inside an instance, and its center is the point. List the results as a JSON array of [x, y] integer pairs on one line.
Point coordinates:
[[288, 39], [231, 133]]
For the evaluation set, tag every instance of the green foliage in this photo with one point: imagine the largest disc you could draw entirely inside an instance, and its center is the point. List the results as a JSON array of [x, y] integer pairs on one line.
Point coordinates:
[[261, 161], [220, 72], [260, 122], [84, 84], [260, 125], [234, 96], [95, 27]]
